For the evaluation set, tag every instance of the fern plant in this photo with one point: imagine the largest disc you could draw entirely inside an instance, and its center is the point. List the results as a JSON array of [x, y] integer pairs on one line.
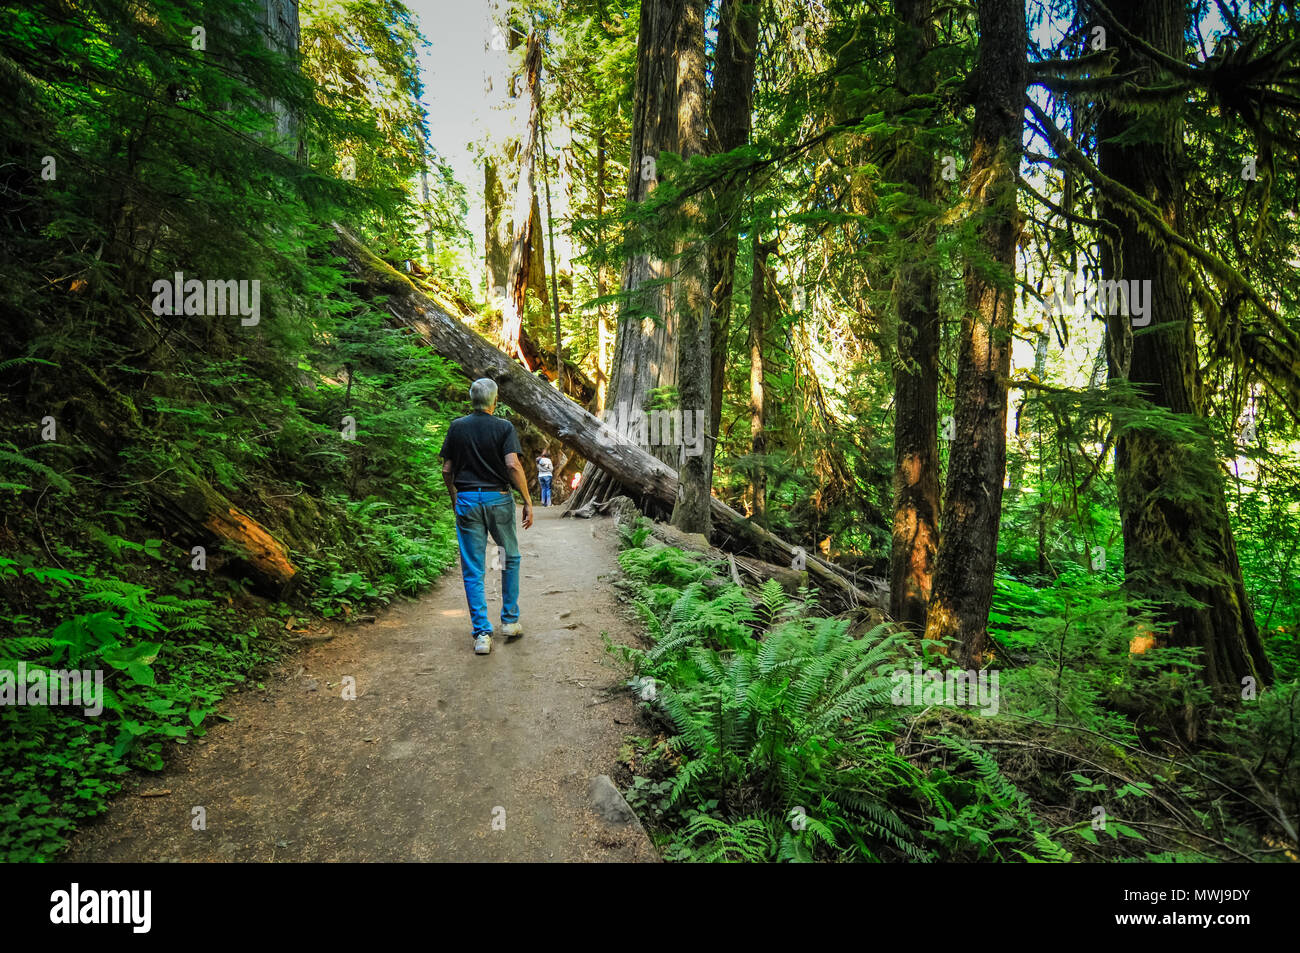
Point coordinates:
[[783, 726]]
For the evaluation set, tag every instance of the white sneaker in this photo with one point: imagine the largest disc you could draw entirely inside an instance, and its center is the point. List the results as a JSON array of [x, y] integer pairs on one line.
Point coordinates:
[[512, 630], [483, 645]]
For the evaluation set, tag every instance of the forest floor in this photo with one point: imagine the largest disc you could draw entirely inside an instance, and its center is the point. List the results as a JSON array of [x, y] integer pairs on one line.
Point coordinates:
[[442, 756]]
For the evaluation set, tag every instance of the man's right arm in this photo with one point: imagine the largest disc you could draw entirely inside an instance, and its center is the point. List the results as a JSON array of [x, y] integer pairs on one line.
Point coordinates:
[[448, 471]]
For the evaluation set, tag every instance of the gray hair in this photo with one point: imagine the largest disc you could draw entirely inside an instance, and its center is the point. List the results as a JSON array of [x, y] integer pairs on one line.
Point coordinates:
[[483, 393]]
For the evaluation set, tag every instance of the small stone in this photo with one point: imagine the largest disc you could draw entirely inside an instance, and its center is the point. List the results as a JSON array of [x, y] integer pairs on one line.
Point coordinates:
[[608, 802]]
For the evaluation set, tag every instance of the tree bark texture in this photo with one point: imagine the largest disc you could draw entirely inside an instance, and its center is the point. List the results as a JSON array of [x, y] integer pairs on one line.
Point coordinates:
[[963, 580], [916, 374], [1178, 546]]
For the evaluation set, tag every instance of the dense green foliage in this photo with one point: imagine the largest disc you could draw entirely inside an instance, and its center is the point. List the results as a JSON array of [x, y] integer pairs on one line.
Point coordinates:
[[163, 160], [142, 140], [782, 737]]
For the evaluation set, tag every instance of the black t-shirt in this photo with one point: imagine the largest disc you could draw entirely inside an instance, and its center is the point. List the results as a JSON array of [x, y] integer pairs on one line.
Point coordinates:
[[477, 446]]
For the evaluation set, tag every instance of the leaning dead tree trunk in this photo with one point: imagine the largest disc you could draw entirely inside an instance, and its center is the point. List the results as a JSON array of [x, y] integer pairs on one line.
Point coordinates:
[[555, 414]]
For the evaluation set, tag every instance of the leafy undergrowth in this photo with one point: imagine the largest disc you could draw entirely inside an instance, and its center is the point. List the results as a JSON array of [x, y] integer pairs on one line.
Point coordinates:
[[92, 590], [169, 643], [776, 737], [164, 660]]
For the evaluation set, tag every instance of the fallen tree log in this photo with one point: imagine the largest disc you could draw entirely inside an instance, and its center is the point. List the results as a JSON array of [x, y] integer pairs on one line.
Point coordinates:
[[556, 414]]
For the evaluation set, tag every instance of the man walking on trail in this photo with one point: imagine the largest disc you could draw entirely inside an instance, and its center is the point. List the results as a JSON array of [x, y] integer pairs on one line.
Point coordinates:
[[480, 463], [545, 471]]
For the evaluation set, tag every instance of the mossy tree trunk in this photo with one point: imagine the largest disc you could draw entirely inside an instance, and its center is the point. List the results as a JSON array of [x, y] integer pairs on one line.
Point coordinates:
[[1178, 546], [526, 269], [758, 303], [916, 375], [201, 516], [730, 116], [645, 341], [963, 580], [691, 298]]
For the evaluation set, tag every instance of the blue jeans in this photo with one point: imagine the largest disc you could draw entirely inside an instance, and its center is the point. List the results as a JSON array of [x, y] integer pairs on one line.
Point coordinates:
[[480, 513], [545, 481]]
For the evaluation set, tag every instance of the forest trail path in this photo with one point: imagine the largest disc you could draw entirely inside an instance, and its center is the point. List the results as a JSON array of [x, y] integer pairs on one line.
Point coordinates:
[[437, 742]]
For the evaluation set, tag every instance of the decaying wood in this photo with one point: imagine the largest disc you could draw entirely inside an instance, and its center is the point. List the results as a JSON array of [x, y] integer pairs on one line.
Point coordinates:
[[202, 516], [741, 569], [557, 415]]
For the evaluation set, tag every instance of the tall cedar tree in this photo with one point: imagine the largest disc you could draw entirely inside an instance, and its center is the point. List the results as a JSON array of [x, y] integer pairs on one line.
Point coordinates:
[[1178, 544], [963, 579], [690, 286], [916, 373], [758, 304], [525, 266], [730, 115], [645, 341]]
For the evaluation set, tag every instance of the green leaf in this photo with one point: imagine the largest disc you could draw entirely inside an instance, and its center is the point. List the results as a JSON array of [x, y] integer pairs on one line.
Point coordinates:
[[140, 674]]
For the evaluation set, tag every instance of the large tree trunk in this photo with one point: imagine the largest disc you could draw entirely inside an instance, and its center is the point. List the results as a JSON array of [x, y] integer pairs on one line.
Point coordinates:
[[553, 413], [527, 266], [645, 342], [758, 298], [496, 241], [730, 116], [690, 285], [916, 377], [602, 331], [963, 580], [1178, 545], [496, 224], [280, 21], [555, 265]]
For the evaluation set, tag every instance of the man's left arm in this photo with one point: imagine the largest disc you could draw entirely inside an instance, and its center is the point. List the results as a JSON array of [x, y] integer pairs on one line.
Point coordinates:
[[513, 452], [516, 471]]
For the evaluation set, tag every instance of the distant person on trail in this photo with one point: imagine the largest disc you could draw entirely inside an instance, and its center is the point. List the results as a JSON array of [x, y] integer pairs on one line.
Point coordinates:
[[480, 463], [545, 471]]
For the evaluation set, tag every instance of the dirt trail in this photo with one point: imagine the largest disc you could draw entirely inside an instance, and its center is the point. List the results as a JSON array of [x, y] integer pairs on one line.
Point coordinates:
[[438, 744]]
